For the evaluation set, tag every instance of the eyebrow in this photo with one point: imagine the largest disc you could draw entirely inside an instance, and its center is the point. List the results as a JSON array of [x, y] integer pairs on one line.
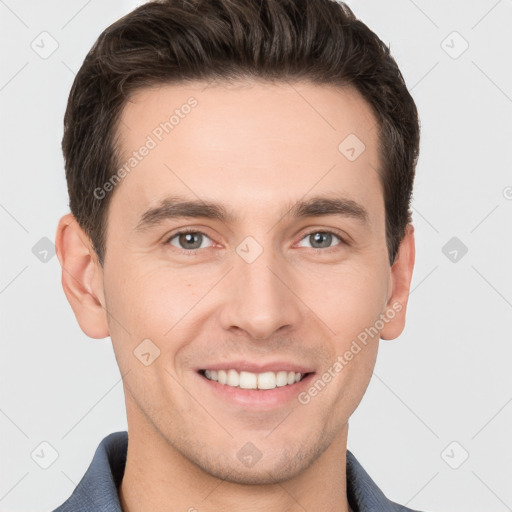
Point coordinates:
[[177, 207]]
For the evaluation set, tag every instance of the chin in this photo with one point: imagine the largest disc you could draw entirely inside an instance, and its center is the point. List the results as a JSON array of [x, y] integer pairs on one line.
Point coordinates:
[[248, 466]]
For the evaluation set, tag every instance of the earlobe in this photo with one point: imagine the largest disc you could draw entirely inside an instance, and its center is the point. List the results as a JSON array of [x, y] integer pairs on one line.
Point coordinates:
[[400, 278], [82, 277]]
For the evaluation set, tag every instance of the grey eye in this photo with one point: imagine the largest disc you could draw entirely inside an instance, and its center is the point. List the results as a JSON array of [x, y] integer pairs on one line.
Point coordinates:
[[321, 239], [188, 240]]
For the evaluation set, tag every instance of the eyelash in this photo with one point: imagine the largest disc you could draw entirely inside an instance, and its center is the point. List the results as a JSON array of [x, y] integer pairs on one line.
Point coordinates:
[[195, 251]]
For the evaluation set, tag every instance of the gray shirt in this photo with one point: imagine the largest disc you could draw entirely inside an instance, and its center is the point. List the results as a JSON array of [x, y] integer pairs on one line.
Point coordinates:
[[97, 490]]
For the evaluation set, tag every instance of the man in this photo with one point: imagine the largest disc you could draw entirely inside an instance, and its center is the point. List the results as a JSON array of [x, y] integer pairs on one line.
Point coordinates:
[[240, 176]]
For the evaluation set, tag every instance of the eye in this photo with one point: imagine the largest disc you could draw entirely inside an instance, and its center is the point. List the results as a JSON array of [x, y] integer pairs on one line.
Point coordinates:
[[188, 240], [322, 239]]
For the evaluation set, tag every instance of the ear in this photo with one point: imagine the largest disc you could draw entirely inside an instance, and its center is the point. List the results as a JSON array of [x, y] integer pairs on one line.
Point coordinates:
[[400, 282], [82, 277]]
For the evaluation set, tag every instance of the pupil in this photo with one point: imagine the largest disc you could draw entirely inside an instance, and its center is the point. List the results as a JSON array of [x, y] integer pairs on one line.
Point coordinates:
[[319, 236], [188, 238]]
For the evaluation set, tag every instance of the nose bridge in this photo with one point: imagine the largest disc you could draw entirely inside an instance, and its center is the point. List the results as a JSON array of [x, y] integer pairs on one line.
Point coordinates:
[[261, 301]]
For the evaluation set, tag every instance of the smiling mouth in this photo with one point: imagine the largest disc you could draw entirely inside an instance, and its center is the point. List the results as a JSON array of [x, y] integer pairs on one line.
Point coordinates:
[[249, 380]]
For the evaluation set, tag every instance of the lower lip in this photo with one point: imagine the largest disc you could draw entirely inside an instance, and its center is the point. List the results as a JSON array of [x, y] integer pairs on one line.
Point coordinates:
[[258, 398]]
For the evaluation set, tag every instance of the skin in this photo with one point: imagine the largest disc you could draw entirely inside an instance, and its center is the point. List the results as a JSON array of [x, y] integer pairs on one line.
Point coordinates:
[[256, 148]]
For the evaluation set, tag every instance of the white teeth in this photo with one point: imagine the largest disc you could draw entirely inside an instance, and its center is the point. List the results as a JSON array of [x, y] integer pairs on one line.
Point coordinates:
[[267, 380], [233, 378], [281, 379], [249, 380]]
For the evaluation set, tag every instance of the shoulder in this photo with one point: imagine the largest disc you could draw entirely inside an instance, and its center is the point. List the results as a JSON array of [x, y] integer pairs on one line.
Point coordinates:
[[363, 493], [97, 490]]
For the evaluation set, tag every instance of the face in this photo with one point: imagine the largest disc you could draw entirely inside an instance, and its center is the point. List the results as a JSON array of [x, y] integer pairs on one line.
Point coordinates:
[[271, 275]]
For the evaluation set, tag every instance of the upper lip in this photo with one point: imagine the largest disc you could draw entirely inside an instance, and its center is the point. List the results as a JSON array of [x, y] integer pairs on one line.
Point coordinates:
[[247, 366]]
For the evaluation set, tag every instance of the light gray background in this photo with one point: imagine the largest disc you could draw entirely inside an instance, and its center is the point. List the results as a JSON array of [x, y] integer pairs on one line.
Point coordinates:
[[446, 379]]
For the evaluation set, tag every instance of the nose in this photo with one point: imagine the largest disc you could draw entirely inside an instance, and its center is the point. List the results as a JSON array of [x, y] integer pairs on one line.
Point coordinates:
[[260, 298]]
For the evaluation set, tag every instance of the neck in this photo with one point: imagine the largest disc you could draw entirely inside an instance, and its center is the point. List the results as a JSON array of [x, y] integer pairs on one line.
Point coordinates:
[[158, 478]]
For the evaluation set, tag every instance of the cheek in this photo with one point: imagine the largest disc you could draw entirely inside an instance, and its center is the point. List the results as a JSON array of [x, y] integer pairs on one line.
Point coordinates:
[[350, 304], [150, 305], [148, 299], [349, 301]]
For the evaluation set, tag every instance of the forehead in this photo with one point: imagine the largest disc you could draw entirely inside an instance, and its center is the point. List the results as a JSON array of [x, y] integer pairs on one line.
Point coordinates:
[[250, 145]]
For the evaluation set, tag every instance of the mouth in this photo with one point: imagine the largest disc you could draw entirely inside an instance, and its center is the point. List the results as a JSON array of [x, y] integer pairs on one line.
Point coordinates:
[[248, 380]]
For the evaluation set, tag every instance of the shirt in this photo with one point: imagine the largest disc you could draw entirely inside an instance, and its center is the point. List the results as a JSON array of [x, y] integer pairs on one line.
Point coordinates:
[[97, 490]]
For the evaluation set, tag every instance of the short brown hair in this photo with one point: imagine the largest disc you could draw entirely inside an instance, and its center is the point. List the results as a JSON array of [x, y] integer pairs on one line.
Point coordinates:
[[171, 41]]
